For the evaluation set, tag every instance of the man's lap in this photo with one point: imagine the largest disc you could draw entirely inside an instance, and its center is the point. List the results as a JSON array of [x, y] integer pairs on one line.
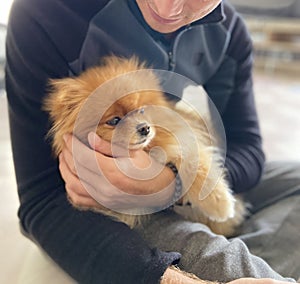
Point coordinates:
[[271, 232], [279, 181]]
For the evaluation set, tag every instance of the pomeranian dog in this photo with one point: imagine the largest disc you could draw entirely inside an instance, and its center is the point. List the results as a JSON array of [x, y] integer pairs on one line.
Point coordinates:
[[124, 104]]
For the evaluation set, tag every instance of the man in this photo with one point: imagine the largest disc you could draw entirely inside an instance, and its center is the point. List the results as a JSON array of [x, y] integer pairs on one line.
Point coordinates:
[[205, 41]]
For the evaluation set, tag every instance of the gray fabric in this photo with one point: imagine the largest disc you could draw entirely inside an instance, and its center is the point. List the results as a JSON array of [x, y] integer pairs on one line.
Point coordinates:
[[272, 232]]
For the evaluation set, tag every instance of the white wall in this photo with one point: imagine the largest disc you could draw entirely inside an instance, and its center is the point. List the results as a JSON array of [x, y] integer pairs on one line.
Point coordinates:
[[4, 10]]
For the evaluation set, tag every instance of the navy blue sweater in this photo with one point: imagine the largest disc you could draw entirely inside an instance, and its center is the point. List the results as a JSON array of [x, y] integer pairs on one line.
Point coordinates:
[[59, 38]]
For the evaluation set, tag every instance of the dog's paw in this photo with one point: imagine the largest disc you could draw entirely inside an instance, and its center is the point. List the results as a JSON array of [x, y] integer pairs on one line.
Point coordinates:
[[218, 208], [230, 227], [219, 205]]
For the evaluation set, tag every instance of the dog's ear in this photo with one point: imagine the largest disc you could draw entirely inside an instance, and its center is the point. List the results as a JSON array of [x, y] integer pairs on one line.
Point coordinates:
[[63, 103], [63, 97]]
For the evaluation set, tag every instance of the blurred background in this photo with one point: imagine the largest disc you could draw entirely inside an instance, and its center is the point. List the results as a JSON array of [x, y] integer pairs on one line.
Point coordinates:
[[275, 29]]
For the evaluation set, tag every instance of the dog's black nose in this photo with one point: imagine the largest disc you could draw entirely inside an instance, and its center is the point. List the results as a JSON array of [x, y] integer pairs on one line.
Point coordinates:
[[143, 129]]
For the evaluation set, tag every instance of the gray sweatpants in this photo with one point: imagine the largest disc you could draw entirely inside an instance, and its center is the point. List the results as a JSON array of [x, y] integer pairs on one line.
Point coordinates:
[[269, 240]]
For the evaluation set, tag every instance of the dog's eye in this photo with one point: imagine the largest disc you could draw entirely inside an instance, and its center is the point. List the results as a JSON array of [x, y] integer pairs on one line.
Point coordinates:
[[114, 121]]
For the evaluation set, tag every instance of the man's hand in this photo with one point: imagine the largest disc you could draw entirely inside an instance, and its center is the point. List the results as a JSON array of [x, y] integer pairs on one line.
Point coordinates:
[[174, 275], [118, 179], [257, 281]]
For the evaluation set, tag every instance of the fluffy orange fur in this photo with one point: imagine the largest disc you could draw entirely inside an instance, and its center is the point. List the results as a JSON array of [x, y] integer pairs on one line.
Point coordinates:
[[116, 106]]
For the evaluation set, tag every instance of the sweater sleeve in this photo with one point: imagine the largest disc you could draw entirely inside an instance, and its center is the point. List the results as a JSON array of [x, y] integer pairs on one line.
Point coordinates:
[[245, 157], [91, 247]]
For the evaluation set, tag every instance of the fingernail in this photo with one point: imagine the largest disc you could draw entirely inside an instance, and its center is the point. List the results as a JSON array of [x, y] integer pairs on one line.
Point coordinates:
[[93, 139]]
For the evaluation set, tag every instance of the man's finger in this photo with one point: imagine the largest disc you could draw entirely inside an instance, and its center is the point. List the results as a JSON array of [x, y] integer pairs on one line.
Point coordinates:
[[66, 159], [72, 182], [83, 156], [106, 148], [79, 201]]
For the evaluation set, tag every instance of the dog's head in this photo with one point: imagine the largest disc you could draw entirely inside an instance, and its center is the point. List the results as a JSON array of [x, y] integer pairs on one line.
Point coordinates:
[[111, 99], [128, 122]]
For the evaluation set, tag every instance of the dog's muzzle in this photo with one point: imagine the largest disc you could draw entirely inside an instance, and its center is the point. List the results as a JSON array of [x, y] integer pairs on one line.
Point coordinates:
[[143, 129]]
